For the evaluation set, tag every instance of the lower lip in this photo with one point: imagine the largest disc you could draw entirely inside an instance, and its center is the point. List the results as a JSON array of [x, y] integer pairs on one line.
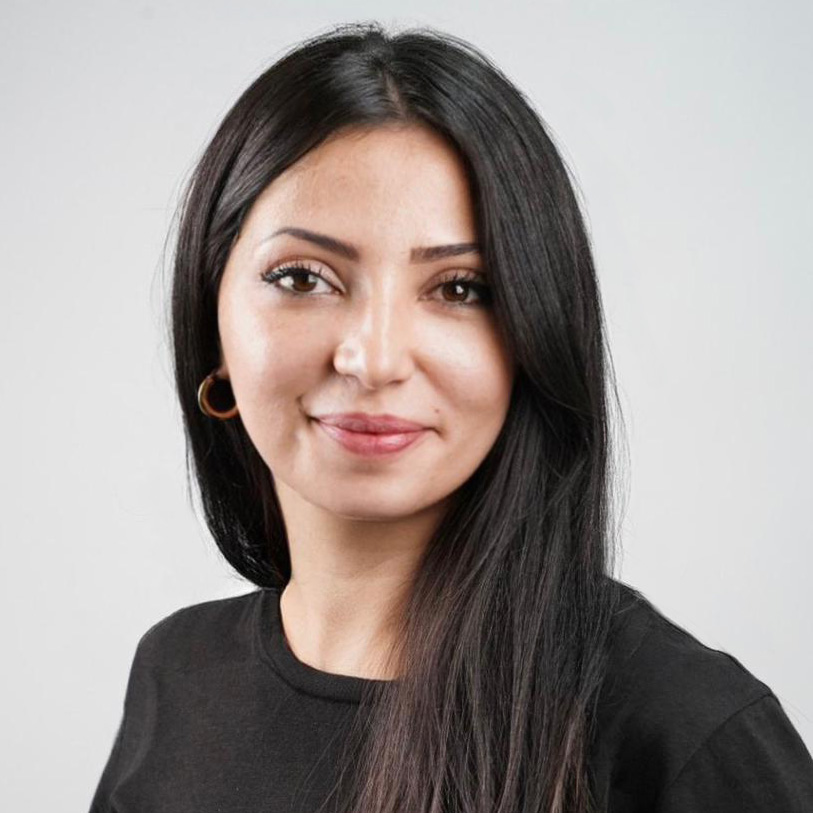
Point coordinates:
[[370, 445]]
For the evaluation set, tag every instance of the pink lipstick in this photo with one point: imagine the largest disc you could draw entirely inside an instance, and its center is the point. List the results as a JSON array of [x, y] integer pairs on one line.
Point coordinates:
[[371, 435]]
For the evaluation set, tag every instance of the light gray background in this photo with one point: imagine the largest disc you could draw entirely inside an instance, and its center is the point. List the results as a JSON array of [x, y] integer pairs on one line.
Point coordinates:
[[689, 128]]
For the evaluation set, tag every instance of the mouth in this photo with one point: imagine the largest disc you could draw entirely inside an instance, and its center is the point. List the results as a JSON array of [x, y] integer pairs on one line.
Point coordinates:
[[374, 424], [371, 444]]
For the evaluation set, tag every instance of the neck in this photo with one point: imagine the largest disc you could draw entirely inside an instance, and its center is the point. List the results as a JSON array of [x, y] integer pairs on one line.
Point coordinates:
[[343, 627]]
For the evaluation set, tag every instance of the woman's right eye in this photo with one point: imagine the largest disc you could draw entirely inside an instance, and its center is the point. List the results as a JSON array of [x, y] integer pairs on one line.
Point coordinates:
[[299, 274]]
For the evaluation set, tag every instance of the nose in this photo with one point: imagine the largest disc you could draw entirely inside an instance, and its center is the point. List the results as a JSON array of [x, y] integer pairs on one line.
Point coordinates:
[[374, 343]]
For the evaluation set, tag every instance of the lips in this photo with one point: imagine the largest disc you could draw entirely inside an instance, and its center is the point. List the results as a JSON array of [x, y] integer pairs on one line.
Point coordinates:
[[371, 435], [370, 424], [369, 444]]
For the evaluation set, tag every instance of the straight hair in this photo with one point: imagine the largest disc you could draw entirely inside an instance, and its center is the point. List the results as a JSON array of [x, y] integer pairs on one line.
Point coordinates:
[[503, 641]]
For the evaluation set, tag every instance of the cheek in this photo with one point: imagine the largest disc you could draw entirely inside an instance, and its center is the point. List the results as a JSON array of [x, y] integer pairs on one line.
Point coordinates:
[[269, 364], [477, 378]]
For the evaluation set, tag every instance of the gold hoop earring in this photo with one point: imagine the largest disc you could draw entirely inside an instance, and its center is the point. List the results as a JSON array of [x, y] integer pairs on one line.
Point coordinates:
[[203, 399]]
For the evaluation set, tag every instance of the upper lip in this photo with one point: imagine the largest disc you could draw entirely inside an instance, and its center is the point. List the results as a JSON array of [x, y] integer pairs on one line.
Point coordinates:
[[373, 424]]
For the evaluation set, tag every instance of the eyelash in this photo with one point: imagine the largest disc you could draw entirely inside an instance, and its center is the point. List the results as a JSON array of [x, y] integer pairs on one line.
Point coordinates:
[[483, 290]]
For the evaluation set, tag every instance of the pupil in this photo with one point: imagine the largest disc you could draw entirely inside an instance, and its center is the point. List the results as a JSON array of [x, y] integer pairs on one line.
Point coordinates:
[[299, 275], [458, 286]]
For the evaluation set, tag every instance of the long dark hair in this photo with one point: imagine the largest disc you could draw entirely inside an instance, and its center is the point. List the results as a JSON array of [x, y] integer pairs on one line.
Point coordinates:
[[504, 636]]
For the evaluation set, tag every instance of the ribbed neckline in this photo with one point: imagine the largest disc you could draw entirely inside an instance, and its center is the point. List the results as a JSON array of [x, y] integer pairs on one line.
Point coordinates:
[[273, 647]]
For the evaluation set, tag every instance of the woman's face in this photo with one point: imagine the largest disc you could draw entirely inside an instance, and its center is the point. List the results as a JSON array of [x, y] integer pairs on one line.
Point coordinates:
[[370, 323]]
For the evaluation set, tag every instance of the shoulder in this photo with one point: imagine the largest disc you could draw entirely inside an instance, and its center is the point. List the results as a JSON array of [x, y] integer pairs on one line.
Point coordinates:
[[196, 635], [658, 669], [669, 702]]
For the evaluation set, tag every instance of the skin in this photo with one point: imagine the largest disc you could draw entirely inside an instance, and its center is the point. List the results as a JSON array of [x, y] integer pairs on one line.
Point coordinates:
[[380, 334]]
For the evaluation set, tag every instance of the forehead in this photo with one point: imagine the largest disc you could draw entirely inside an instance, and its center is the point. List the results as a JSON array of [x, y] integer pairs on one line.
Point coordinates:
[[403, 176]]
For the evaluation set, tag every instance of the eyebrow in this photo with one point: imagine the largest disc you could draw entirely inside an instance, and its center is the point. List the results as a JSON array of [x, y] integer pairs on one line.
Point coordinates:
[[420, 254]]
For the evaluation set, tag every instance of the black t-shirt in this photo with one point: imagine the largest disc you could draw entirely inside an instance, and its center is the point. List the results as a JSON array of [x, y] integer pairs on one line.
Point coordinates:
[[220, 715]]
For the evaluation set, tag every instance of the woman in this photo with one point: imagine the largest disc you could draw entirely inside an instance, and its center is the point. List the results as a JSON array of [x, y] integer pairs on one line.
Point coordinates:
[[391, 361]]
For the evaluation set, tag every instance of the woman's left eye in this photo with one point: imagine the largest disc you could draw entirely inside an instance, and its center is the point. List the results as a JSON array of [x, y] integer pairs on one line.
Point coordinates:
[[468, 284], [300, 272]]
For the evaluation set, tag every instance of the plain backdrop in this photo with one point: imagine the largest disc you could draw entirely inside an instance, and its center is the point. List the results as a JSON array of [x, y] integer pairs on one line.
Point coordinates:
[[688, 126]]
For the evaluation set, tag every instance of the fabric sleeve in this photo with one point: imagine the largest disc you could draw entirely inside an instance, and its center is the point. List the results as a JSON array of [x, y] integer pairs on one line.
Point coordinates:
[[101, 798], [754, 762], [134, 716]]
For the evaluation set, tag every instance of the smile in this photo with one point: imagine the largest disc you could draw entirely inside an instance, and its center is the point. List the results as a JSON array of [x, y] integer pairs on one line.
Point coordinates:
[[368, 444]]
